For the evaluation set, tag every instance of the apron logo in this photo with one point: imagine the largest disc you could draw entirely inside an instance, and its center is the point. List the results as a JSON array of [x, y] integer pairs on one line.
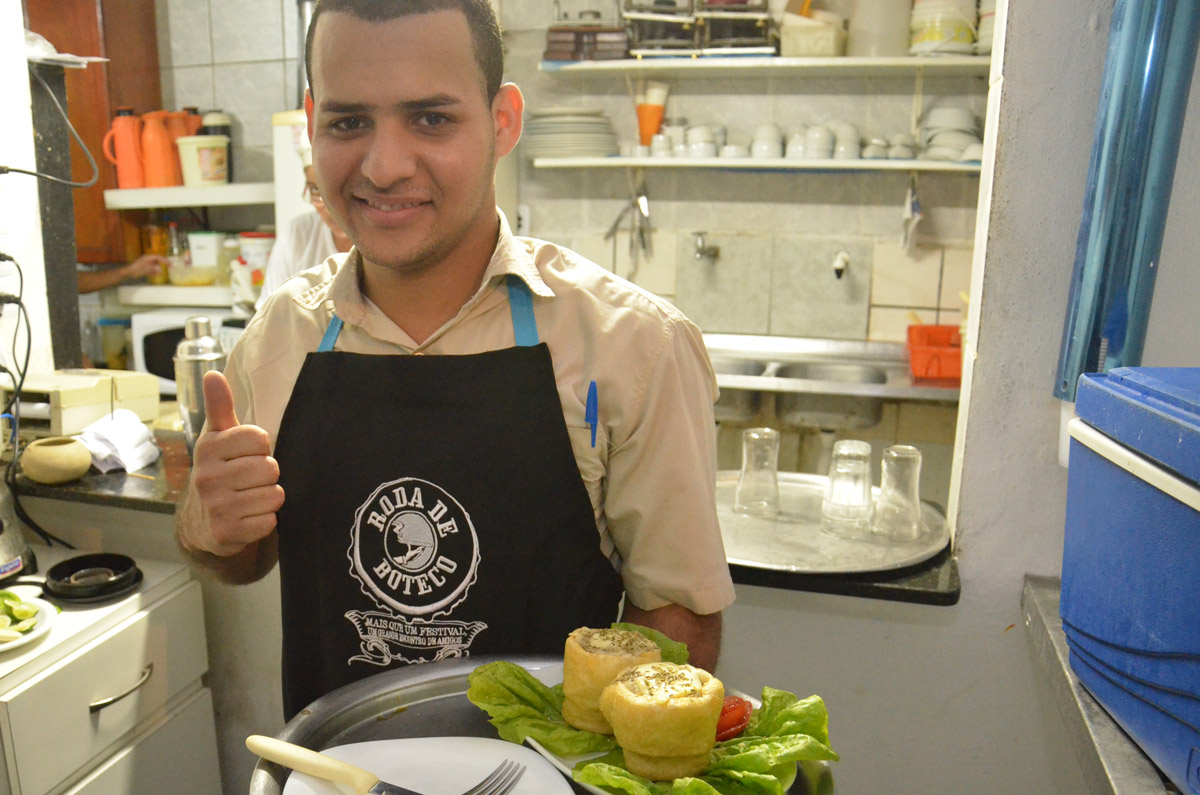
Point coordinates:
[[413, 549]]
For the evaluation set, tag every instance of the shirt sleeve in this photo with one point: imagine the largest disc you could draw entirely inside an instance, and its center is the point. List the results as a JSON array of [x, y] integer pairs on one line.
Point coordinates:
[[660, 505]]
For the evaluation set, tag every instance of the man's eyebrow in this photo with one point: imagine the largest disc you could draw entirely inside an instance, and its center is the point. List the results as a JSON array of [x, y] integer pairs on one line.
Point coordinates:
[[425, 103]]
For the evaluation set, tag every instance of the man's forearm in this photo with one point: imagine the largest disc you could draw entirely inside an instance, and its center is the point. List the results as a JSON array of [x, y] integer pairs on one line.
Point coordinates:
[[702, 634], [249, 565]]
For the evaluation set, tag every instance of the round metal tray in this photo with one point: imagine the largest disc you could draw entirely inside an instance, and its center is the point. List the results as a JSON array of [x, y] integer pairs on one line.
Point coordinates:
[[425, 701], [793, 541]]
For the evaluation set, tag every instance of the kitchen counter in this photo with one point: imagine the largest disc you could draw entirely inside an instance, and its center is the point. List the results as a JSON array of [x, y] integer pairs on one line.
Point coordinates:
[[159, 487], [1111, 761]]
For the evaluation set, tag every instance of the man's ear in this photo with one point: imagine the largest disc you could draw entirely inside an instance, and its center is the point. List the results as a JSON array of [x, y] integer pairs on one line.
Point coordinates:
[[508, 109], [308, 112]]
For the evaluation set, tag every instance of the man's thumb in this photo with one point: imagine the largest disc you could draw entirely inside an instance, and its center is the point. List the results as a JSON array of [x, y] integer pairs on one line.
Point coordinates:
[[218, 402]]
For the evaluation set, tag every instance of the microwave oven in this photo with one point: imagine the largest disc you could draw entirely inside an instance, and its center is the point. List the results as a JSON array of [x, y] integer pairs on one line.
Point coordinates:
[[156, 333]]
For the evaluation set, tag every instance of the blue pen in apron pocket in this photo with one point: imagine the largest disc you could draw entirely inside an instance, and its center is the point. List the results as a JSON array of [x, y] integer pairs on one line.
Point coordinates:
[[591, 411]]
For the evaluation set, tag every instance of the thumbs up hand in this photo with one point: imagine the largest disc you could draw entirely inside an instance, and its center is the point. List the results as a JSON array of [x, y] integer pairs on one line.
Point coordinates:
[[234, 477]]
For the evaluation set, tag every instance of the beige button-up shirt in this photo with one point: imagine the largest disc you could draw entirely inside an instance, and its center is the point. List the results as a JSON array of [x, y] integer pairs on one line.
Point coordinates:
[[651, 473]]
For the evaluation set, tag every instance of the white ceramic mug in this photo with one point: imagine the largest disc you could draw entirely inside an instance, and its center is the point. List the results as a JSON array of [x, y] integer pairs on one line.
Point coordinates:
[[766, 149], [818, 142], [702, 149]]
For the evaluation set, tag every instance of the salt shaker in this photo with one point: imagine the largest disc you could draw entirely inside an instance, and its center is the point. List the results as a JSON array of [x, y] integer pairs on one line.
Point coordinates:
[[758, 487], [197, 353]]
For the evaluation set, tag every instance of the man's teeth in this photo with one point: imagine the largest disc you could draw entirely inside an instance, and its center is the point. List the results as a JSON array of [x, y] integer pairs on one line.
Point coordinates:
[[390, 207]]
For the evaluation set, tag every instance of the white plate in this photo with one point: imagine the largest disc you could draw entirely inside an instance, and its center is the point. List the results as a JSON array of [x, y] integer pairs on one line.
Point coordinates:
[[435, 766], [45, 617], [552, 675]]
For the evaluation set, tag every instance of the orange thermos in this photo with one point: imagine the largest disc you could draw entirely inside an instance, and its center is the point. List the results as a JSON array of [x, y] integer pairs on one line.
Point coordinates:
[[122, 145], [158, 152], [193, 120]]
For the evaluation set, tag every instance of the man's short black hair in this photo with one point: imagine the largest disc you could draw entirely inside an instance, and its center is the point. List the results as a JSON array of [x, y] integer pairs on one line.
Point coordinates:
[[481, 20]]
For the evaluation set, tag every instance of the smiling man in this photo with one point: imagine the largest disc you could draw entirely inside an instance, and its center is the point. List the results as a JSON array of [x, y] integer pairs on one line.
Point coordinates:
[[454, 441]]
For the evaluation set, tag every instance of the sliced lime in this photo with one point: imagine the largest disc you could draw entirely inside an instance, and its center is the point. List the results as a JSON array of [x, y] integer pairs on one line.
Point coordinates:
[[23, 610], [4, 621], [25, 626]]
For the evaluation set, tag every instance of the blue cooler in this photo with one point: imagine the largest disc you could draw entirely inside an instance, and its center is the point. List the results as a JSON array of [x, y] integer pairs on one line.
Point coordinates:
[[1131, 557]]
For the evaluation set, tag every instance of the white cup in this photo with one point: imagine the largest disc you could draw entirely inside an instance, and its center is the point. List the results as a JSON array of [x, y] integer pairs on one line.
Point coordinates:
[[847, 150], [766, 149], [768, 131], [702, 149], [900, 152], [735, 150], [700, 133], [818, 142], [794, 149], [641, 150], [679, 150], [675, 130], [874, 152], [660, 146], [844, 131]]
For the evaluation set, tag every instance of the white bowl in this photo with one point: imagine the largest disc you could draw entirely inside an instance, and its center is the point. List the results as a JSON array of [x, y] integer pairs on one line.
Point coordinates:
[[955, 138], [952, 116], [735, 150], [974, 152]]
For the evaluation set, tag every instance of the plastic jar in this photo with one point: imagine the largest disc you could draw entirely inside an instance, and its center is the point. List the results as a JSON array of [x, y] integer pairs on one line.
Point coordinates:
[[114, 341], [941, 26]]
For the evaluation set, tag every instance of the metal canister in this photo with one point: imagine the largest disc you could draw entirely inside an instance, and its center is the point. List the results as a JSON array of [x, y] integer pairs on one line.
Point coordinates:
[[197, 353]]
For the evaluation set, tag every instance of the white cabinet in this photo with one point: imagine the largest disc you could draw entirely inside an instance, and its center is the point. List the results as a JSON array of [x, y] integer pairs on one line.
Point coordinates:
[[112, 697]]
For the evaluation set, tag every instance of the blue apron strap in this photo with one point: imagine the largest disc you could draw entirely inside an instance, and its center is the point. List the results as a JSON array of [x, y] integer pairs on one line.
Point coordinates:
[[520, 302], [331, 334]]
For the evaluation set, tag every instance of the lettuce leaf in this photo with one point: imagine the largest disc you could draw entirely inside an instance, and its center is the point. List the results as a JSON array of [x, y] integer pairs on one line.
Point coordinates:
[[672, 651], [520, 706]]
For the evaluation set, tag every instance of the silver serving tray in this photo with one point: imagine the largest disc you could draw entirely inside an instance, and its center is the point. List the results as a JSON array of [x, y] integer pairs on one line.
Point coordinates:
[[794, 542], [427, 700]]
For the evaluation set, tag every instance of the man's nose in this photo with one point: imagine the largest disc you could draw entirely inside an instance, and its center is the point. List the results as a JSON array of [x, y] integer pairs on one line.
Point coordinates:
[[390, 158]]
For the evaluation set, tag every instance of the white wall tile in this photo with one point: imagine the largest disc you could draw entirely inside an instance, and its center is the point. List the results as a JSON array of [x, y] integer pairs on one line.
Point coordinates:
[[250, 93], [185, 26], [905, 277], [247, 31], [655, 271], [956, 277], [888, 324], [187, 85]]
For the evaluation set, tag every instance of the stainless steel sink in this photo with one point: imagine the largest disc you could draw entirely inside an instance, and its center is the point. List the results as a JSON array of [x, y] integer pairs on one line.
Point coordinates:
[[830, 411], [818, 383]]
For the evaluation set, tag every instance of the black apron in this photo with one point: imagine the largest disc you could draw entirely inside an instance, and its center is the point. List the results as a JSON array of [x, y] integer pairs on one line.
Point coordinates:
[[433, 509]]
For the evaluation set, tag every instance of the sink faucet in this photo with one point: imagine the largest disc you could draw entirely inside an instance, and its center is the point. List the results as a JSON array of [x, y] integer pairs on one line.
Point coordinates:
[[705, 252]]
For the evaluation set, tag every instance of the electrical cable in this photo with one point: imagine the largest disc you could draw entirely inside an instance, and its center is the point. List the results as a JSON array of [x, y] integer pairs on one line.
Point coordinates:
[[70, 127], [14, 407]]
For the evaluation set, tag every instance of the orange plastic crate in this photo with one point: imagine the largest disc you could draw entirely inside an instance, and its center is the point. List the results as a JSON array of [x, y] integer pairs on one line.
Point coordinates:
[[935, 352]]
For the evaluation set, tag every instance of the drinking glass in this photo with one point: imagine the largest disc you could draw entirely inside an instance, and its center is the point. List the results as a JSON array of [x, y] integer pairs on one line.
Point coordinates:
[[758, 487], [898, 510], [846, 509]]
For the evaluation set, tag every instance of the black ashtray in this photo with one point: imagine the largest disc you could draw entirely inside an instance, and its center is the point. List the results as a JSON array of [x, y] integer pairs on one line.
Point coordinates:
[[92, 578]]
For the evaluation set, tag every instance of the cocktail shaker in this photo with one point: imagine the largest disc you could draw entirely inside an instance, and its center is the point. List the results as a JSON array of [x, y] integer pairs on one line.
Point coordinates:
[[197, 353]]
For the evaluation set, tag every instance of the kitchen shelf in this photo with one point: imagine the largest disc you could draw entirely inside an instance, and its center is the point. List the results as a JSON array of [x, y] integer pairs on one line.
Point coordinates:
[[746, 66], [757, 164], [173, 295], [183, 196]]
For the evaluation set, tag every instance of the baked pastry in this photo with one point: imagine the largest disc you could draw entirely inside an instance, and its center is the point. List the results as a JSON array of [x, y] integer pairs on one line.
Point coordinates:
[[664, 716], [592, 659]]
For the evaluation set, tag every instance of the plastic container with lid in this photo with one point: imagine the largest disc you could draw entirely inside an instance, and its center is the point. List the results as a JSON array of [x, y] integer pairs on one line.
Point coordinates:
[[935, 352], [941, 27]]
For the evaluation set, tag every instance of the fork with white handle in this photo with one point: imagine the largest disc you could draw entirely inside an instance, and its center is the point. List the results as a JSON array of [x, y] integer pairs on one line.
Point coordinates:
[[499, 782]]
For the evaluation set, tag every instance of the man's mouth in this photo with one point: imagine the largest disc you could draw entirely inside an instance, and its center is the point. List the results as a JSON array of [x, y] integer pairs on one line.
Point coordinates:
[[392, 205]]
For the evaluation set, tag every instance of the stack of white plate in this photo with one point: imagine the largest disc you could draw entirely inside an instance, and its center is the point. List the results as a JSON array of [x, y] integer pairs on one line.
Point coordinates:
[[568, 132], [950, 133]]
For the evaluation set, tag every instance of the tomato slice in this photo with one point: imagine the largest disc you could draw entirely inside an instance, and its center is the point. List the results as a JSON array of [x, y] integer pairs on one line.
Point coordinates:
[[735, 716]]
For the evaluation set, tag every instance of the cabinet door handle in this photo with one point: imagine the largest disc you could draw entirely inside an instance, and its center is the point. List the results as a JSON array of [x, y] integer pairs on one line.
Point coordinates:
[[100, 704]]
